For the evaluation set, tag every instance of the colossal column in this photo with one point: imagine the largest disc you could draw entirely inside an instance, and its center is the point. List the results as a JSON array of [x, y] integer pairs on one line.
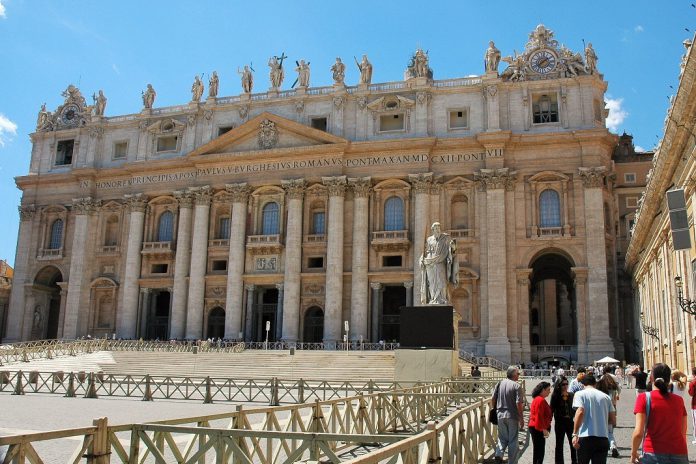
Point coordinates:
[[495, 182], [126, 320], [199, 258], [580, 282], [334, 259], [15, 317], [421, 186], [82, 208], [239, 194], [376, 290], [358, 290], [294, 191], [523, 312], [181, 264], [249, 313], [599, 343]]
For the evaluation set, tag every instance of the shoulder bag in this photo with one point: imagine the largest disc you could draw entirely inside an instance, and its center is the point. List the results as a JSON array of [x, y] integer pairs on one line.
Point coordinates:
[[493, 413]]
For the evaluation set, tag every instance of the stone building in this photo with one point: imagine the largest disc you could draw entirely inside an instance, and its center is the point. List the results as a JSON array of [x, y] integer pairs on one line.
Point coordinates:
[[6, 275], [668, 332], [305, 208]]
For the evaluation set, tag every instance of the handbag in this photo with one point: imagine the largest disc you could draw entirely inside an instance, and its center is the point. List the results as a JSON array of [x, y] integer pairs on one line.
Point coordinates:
[[493, 413]]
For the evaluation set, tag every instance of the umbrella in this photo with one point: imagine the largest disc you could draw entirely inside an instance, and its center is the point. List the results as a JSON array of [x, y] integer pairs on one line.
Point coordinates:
[[607, 360]]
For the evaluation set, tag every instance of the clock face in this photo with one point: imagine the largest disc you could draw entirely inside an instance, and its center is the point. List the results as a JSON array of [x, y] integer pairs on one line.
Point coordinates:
[[543, 61], [69, 114]]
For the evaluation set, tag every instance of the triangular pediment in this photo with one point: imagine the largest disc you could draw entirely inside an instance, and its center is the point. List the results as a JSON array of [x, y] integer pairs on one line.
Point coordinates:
[[267, 131]]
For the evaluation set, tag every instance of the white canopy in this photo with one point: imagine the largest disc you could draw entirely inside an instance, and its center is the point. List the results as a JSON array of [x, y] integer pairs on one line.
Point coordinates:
[[607, 360]]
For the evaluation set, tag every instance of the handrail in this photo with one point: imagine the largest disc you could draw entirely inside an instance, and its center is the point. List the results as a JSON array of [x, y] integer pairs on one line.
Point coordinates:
[[482, 360]]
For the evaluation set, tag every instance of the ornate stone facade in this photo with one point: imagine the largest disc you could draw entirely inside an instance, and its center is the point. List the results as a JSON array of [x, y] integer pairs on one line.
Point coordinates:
[[309, 207]]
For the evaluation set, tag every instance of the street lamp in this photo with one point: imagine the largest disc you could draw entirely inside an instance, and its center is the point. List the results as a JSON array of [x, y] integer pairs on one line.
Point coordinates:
[[650, 331], [686, 305]]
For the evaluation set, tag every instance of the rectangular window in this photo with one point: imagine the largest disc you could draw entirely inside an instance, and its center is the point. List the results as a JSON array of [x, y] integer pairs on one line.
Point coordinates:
[[224, 228], [545, 108], [224, 130], [391, 261], [391, 122], [315, 262], [631, 202], [630, 177], [318, 223], [64, 152], [120, 150], [219, 265], [458, 119], [159, 268], [167, 143], [320, 123]]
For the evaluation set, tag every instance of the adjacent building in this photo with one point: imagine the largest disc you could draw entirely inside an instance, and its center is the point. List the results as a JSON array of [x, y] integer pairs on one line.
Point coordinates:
[[287, 213]]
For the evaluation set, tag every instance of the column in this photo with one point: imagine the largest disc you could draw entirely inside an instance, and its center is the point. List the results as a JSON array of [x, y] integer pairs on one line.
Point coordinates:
[[334, 259], [580, 282], [239, 194], [376, 292], [15, 317], [143, 312], [361, 188], [599, 341], [290, 320], [523, 312], [82, 207], [421, 186], [495, 182], [409, 293], [199, 259], [279, 312], [125, 318], [249, 312], [181, 265]]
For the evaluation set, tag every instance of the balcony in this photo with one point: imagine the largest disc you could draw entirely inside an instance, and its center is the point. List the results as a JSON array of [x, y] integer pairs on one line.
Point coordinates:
[[219, 243], [108, 250], [264, 244], [158, 248], [390, 240], [315, 238], [551, 232], [461, 233], [49, 254]]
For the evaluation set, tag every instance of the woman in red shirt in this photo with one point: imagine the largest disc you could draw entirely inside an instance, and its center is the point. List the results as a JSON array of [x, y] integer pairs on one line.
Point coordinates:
[[540, 420], [665, 437]]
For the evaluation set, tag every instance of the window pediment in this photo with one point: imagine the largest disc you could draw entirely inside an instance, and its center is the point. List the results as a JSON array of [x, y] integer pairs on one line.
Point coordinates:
[[391, 103], [548, 176], [166, 126]]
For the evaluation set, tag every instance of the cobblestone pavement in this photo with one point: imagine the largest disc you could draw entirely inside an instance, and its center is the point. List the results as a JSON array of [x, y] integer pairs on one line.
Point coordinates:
[[622, 433]]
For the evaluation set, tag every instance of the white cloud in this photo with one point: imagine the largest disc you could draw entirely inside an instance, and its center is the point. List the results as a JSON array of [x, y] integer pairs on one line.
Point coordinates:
[[617, 114], [638, 28], [640, 149], [7, 129], [115, 68], [2, 10]]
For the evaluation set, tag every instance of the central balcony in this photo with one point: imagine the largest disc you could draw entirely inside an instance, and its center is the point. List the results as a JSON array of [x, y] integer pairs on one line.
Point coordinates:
[[158, 248], [264, 244], [390, 240]]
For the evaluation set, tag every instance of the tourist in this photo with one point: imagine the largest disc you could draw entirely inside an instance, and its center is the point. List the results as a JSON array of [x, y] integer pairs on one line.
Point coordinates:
[[680, 387], [576, 385], [562, 408], [540, 420], [510, 404], [591, 424], [476, 373], [660, 423], [609, 384], [641, 378], [692, 393]]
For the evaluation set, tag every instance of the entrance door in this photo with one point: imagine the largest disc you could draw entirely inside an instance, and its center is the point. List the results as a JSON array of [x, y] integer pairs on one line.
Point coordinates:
[[265, 312], [216, 323], [393, 298], [313, 325], [53, 316], [158, 317]]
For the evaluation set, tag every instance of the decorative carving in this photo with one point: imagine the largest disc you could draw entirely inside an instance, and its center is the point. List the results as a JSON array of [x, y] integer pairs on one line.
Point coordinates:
[[197, 89], [208, 115], [392, 103], [489, 179], [191, 119], [335, 185], [243, 111], [491, 91], [421, 182], [213, 85], [184, 197], [338, 102], [491, 59], [85, 205], [143, 124], [201, 195], [149, 97], [96, 132], [26, 212], [268, 134], [338, 71], [361, 186], [314, 289], [299, 106], [238, 192], [592, 177], [362, 102], [294, 189], [422, 97], [376, 285], [74, 112], [249, 287], [136, 202], [280, 286], [266, 263], [408, 285]]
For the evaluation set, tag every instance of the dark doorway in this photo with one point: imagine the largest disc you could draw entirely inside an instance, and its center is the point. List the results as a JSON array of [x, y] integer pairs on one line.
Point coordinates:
[[552, 302], [53, 317], [47, 281], [216, 323], [313, 325], [158, 316], [393, 298], [265, 312]]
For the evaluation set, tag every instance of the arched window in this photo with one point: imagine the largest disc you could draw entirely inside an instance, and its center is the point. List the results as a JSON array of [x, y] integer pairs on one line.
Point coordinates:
[[165, 231], [549, 209], [460, 212], [111, 232], [269, 221], [56, 239], [394, 214]]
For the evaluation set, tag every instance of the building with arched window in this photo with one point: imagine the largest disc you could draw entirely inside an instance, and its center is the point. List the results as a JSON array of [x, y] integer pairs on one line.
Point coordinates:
[[301, 209]]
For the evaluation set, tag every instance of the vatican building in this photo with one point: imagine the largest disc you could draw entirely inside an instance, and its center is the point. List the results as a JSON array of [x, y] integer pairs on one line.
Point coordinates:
[[300, 213]]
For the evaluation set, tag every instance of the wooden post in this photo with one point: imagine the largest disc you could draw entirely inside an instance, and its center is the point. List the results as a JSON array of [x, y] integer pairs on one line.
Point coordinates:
[[134, 445], [19, 388], [274, 392], [91, 391], [317, 427], [70, 392], [300, 392], [208, 396], [433, 445], [147, 396], [100, 450]]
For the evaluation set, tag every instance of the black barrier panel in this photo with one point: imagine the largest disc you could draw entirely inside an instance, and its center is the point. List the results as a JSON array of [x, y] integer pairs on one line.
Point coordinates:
[[427, 327]]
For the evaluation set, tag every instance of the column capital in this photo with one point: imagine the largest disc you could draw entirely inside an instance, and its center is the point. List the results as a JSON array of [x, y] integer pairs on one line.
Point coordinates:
[[136, 202], [294, 189], [592, 177], [239, 192], [361, 186], [145, 291], [336, 185], [523, 276], [375, 285], [184, 197], [249, 287], [490, 179], [580, 275], [421, 182], [280, 286], [26, 212], [85, 205], [408, 284], [201, 195]]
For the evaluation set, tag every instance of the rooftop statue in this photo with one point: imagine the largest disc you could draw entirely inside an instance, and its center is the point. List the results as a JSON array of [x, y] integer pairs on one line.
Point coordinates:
[[99, 103], [196, 89], [302, 73], [365, 68], [418, 66], [491, 58], [439, 267], [338, 71], [149, 97], [247, 78], [44, 119], [213, 85], [277, 74], [591, 59]]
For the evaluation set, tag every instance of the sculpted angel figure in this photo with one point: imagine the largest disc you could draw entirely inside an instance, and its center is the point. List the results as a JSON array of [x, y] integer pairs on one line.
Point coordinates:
[[149, 97], [439, 267], [339, 71], [196, 89], [213, 85], [491, 58], [247, 79], [365, 68], [516, 71], [277, 73], [99, 103]]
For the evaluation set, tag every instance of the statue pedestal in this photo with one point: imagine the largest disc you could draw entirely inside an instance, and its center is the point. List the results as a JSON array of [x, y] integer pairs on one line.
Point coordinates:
[[211, 101], [300, 90]]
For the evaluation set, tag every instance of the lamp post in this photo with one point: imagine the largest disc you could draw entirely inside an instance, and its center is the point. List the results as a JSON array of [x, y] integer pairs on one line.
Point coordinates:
[[650, 331], [686, 305]]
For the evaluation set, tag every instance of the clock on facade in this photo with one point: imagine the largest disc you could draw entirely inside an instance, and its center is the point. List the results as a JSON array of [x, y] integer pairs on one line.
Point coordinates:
[[543, 61], [69, 114]]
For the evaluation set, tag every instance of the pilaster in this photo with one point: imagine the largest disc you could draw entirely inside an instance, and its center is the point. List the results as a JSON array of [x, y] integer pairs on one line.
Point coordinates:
[[15, 316], [376, 288]]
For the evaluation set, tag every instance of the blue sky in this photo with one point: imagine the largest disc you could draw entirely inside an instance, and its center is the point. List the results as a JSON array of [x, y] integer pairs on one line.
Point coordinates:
[[120, 46]]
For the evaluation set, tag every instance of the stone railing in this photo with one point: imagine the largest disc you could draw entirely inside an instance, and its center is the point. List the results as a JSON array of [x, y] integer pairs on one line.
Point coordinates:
[[50, 253], [550, 231], [158, 247], [219, 243], [108, 250], [315, 238], [461, 233], [263, 239]]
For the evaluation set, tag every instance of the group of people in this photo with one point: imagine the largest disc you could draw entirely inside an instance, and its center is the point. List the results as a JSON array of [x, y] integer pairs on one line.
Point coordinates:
[[583, 413]]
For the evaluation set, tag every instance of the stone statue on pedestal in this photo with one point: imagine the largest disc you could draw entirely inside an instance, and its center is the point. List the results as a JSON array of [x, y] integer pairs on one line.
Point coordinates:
[[338, 71], [491, 58], [439, 267], [365, 68], [213, 85], [99, 103], [149, 97], [247, 79], [196, 89]]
